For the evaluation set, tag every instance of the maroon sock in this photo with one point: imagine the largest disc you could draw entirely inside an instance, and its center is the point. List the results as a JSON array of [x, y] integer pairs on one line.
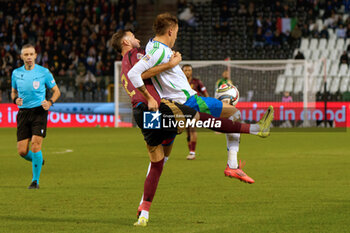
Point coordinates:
[[193, 146], [152, 180], [188, 139], [189, 146], [227, 126]]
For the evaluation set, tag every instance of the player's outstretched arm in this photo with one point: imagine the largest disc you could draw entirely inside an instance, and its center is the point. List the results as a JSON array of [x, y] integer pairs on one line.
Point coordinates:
[[147, 62], [175, 59]]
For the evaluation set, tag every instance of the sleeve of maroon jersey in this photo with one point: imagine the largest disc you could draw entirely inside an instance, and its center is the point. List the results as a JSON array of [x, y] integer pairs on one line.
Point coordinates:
[[201, 86]]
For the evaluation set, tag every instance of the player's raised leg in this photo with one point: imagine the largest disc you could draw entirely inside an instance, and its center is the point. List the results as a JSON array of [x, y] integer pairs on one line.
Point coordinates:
[[261, 129]]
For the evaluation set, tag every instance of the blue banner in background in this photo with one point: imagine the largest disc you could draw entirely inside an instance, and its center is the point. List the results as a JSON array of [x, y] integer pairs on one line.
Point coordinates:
[[90, 108]]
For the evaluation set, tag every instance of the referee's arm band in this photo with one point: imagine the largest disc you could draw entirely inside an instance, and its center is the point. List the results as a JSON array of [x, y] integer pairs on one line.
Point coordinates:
[[51, 102], [14, 100]]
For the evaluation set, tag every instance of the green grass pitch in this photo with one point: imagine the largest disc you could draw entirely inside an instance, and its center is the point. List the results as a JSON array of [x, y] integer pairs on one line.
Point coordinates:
[[93, 180]]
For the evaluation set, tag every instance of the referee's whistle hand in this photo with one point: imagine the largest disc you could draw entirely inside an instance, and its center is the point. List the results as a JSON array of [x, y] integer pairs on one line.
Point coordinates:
[[19, 101], [46, 105]]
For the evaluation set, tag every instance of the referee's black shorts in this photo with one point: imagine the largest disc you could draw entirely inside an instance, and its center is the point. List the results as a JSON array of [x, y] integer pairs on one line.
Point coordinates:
[[31, 121], [171, 111]]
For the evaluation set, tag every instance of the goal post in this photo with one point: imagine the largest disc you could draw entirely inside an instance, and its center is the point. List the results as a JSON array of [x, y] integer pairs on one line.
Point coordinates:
[[117, 71], [260, 83]]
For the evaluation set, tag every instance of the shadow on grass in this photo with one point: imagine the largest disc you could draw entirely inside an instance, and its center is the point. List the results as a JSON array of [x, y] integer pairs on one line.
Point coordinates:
[[114, 221], [14, 186]]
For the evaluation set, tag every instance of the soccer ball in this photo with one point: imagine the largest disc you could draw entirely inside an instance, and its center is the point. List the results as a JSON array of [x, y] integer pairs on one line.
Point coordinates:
[[227, 93]]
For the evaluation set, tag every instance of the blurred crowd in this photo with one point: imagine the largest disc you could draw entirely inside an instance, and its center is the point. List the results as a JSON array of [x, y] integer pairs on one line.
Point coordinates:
[[332, 18], [71, 37], [274, 23]]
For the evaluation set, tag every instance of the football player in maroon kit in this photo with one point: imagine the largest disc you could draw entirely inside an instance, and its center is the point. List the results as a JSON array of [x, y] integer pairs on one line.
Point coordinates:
[[145, 98], [159, 142], [201, 90]]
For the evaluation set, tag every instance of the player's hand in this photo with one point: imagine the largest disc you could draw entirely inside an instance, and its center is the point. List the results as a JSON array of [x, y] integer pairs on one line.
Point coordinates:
[[175, 59], [19, 101], [46, 104], [152, 104]]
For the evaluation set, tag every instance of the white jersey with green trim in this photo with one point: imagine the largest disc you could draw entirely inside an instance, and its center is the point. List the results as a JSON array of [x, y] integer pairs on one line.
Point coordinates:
[[171, 84]]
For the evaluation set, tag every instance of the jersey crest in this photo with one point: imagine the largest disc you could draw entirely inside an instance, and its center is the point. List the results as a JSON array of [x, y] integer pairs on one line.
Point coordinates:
[[139, 56], [36, 84]]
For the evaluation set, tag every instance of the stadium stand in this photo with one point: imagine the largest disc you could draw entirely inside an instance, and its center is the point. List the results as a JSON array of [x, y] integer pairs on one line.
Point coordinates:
[[71, 39]]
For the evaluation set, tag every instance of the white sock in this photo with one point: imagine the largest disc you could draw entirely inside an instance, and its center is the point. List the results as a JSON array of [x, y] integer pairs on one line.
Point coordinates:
[[232, 159], [254, 129], [149, 168], [165, 159], [144, 213], [236, 116], [232, 149]]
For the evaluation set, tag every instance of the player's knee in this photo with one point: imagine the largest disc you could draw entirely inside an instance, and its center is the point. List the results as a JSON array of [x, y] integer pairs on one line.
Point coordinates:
[[197, 116], [228, 111], [194, 136], [152, 149], [36, 147], [22, 151], [156, 153]]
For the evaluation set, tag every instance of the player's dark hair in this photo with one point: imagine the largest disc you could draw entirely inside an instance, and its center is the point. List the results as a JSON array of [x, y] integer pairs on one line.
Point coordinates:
[[186, 65], [163, 22], [27, 46], [117, 39]]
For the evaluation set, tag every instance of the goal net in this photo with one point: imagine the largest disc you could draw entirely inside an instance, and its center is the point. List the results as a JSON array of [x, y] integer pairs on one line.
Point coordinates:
[[293, 87]]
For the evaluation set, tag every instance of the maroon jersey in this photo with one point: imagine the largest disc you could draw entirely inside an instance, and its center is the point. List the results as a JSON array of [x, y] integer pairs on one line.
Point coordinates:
[[129, 60], [198, 86]]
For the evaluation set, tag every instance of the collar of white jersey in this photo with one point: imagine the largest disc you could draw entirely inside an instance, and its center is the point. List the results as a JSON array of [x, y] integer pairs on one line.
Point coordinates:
[[152, 41]]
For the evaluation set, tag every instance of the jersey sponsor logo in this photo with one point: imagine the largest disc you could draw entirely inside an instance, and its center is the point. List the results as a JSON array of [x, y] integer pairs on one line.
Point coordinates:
[[139, 56], [146, 57], [52, 81], [36, 84]]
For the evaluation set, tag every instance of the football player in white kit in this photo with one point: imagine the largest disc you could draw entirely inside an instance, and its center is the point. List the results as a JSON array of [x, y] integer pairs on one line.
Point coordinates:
[[172, 84]]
